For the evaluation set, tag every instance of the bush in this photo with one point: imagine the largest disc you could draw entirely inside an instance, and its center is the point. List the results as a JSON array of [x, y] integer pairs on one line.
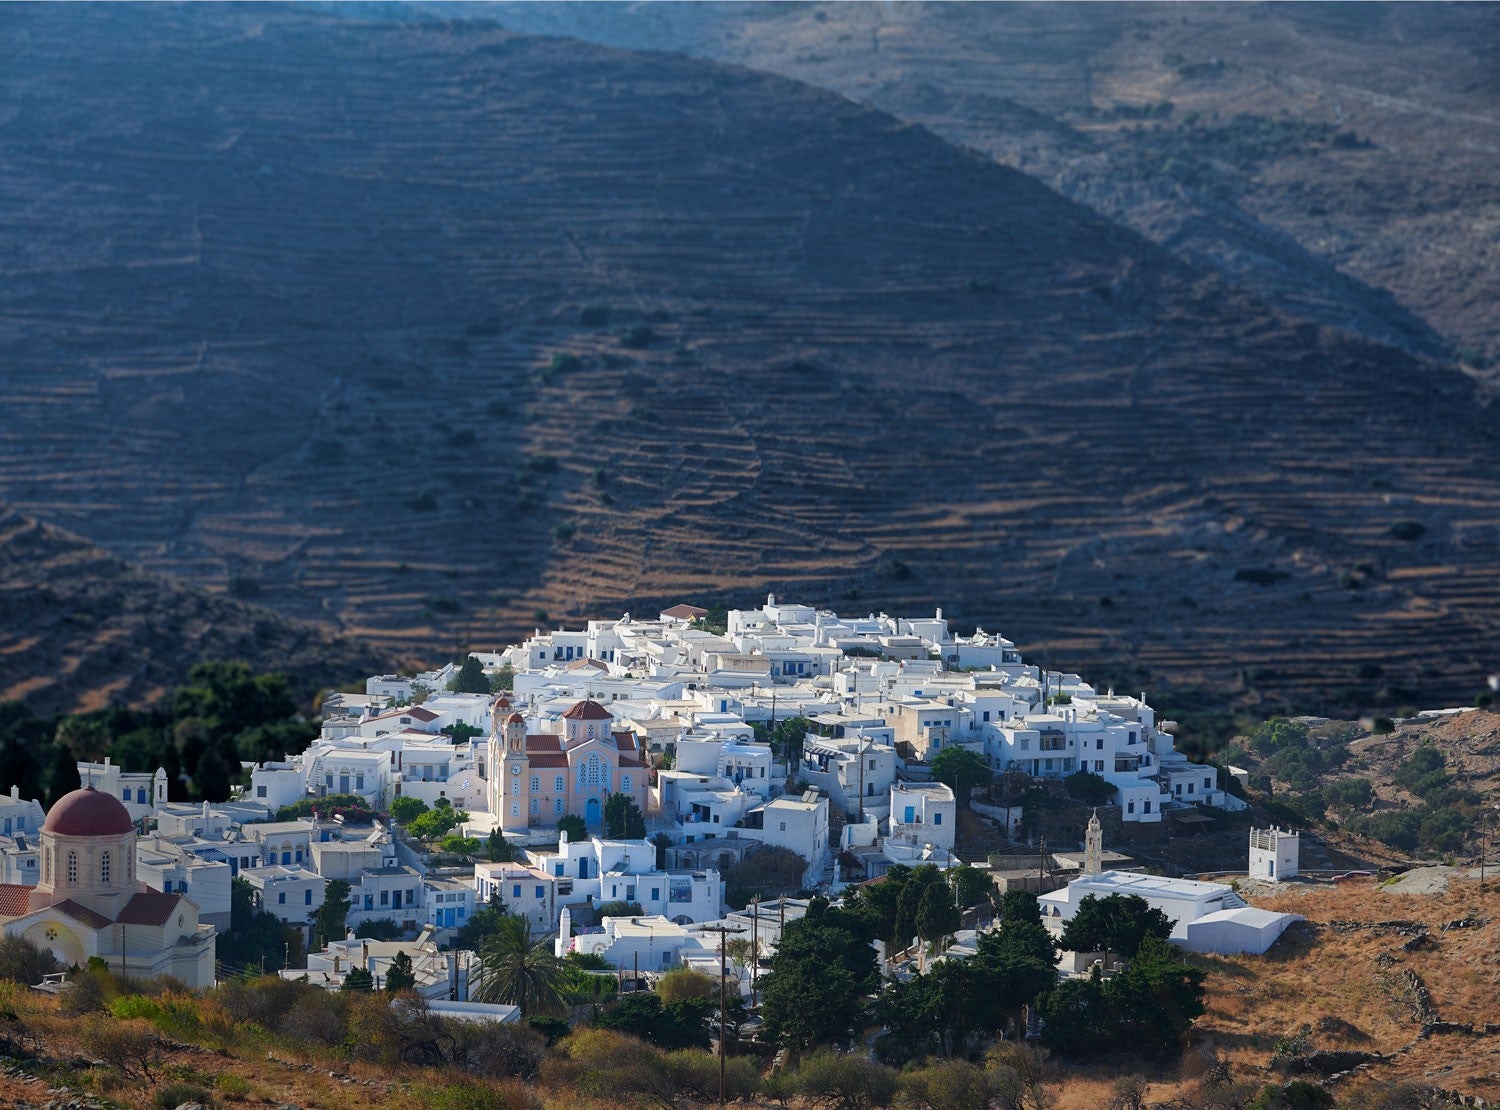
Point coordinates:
[[23, 962], [683, 983], [233, 1087], [380, 928], [638, 337], [1408, 530], [174, 1095], [845, 1082], [1089, 788]]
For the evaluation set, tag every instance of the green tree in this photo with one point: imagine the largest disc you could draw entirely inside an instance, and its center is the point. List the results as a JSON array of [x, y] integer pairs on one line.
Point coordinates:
[[358, 979], [962, 770], [823, 968], [1156, 999], [936, 1014], [618, 908], [1116, 923], [972, 887], [484, 924], [406, 809], [400, 976], [254, 937], [329, 922], [437, 823], [504, 680], [1354, 793], [1077, 1016], [379, 928], [678, 1024], [1277, 734], [459, 845], [470, 678], [1015, 966], [623, 819], [937, 915], [574, 826], [1089, 788], [497, 849], [520, 971]]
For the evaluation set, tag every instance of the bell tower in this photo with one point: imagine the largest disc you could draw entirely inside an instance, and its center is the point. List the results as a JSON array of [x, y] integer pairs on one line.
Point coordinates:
[[515, 777], [1093, 846]]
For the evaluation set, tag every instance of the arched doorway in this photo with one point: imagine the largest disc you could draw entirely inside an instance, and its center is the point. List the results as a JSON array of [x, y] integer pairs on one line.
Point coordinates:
[[591, 814]]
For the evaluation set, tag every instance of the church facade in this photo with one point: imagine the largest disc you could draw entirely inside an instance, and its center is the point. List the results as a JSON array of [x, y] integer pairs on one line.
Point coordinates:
[[87, 901], [538, 778]]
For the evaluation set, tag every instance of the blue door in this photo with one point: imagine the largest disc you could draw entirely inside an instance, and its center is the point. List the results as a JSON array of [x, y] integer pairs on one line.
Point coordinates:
[[591, 812], [911, 813]]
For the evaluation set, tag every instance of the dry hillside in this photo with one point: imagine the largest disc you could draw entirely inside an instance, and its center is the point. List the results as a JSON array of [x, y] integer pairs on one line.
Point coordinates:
[[82, 628], [1338, 159], [424, 330]]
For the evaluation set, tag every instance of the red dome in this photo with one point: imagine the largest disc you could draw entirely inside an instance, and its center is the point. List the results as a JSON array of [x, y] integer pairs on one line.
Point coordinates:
[[515, 719], [87, 812]]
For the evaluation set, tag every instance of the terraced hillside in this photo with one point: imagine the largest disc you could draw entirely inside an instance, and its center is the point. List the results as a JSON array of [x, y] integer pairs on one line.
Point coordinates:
[[424, 330], [81, 629], [1339, 160]]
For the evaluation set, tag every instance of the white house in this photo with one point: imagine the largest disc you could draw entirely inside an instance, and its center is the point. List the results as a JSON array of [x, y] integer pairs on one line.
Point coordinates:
[[170, 867], [1274, 854], [292, 893], [1206, 917], [140, 791], [650, 943], [390, 892], [923, 813]]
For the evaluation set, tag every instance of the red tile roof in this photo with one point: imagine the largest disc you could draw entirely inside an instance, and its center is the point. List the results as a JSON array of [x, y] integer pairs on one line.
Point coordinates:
[[150, 907], [625, 741], [15, 899], [85, 915], [549, 759], [685, 612], [578, 664], [587, 710], [543, 742]]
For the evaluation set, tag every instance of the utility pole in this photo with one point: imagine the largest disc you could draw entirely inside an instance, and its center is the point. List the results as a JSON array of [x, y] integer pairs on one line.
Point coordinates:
[[723, 931], [755, 942]]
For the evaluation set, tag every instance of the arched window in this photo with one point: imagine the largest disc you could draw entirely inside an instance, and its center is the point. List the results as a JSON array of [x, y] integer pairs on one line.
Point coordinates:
[[625, 784], [515, 809], [593, 771], [558, 785], [536, 806], [104, 868], [72, 868], [557, 806], [536, 784]]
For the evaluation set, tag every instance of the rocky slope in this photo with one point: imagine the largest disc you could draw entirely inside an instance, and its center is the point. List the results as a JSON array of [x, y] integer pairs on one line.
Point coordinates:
[[425, 331], [82, 628], [1339, 160]]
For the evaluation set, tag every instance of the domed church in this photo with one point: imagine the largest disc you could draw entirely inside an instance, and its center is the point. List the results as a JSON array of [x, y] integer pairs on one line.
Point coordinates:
[[88, 902]]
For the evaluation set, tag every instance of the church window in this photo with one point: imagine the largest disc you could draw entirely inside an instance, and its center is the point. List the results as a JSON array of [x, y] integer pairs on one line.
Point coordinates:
[[104, 868], [558, 784], [515, 787], [515, 809], [625, 784], [536, 806], [593, 771], [536, 784], [72, 868], [557, 806]]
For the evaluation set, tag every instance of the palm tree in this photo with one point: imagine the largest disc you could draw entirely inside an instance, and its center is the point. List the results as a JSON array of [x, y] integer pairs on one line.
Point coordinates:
[[520, 971]]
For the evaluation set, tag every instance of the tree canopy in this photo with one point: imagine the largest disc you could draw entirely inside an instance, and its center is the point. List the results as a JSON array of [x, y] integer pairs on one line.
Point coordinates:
[[1116, 923], [470, 678], [623, 819], [823, 968], [962, 770]]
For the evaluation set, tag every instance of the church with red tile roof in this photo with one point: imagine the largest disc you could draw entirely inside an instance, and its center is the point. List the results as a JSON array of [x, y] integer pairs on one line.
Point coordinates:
[[87, 901], [537, 778]]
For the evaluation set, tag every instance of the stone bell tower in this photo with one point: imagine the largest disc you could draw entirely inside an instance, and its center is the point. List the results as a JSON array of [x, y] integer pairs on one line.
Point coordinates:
[[1093, 846]]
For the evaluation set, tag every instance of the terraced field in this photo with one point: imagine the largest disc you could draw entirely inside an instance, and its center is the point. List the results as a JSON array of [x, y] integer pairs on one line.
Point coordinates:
[[423, 331]]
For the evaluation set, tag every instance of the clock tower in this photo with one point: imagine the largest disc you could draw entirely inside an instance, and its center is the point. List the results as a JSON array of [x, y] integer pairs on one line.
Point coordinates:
[[515, 777]]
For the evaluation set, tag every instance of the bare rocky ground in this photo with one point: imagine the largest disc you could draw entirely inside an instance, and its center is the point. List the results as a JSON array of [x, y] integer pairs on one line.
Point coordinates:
[[470, 332]]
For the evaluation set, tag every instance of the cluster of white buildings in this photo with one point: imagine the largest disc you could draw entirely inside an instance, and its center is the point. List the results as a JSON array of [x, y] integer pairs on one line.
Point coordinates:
[[666, 713]]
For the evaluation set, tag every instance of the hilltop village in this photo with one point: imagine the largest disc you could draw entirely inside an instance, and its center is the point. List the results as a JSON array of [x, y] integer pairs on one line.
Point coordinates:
[[603, 784]]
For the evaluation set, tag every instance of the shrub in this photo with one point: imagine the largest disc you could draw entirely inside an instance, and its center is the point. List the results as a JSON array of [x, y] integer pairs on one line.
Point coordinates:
[[594, 315], [233, 1087], [1408, 530], [174, 1095], [683, 983], [1089, 788], [564, 531], [846, 1082], [637, 337], [132, 1048], [23, 962]]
